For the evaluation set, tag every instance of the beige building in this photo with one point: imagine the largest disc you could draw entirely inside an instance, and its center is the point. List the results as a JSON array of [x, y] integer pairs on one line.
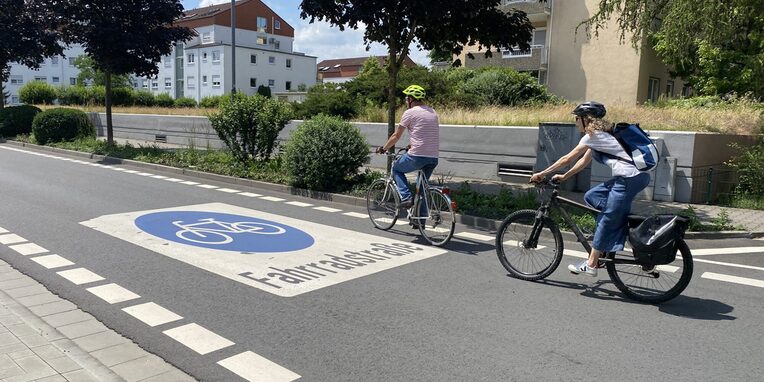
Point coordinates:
[[577, 68]]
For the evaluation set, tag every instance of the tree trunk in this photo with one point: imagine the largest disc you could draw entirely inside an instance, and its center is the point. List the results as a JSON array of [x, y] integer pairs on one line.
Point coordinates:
[[109, 128], [2, 96], [392, 98]]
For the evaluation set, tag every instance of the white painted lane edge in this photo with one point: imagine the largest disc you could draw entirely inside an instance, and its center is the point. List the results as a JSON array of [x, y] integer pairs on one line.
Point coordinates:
[[3, 230], [733, 279], [299, 204], [327, 209], [228, 190], [726, 251], [11, 238], [474, 236], [152, 314], [207, 186], [733, 265], [80, 276], [254, 367], [198, 339], [272, 199], [52, 261], [112, 293], [28, 249], [190, 183], [356, 215], [250, 194]]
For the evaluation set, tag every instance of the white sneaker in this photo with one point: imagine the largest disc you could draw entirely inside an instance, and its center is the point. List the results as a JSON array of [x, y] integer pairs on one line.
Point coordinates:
[[582, 267]]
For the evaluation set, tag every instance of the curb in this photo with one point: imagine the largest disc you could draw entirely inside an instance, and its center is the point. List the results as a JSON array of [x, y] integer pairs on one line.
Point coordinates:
[[467, 220]]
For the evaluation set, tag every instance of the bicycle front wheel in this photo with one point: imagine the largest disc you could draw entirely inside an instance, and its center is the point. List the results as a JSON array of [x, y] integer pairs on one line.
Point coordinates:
[[652, 284], [382, 202], [438, 226], [529, 248]]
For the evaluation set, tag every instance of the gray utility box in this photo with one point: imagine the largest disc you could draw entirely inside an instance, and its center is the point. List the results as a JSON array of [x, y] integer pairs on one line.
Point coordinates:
[[556, 140]]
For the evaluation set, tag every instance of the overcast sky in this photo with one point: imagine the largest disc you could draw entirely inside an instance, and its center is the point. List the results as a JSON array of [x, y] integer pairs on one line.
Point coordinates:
[[319, 39]]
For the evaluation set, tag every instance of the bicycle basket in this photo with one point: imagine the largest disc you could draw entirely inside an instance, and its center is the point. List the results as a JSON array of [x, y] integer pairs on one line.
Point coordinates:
[[655, 240]]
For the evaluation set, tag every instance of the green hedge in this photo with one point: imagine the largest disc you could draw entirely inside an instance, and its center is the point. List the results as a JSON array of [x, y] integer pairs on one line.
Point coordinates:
[[61, 124], [37, 92], [164, 100], [185, 102], [15, 120]]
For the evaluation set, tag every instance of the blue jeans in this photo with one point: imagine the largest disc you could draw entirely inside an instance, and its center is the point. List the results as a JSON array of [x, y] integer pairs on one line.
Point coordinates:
[[410, 163], [613, 198]]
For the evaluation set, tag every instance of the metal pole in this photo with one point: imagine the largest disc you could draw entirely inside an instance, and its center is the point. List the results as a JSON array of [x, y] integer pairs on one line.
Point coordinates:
[[233, 49]]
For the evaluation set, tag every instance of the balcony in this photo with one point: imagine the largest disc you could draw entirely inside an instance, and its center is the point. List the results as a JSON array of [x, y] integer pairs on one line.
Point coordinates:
[[537, 10], [532, 59]]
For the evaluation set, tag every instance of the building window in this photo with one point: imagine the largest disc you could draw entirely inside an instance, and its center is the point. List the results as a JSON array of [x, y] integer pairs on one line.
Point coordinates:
[[276, 44], [271, 60], [686, 90], [155, 84], [190, 82], [271, 83], [167, 62], [145, 84], [40, 78], [56, 80], [71, 61], [262, 23], [73, 81], [206, 38], [289, 85], [14, 99], [17, 80], [204, 56], [288, 62], [54, 60], [215, 56], [216, 81], [653, 89], [261, 40], [277, 24], [191, 58], [670, 88], [168, 82], [253, 82], [253, 58], [204, 80]]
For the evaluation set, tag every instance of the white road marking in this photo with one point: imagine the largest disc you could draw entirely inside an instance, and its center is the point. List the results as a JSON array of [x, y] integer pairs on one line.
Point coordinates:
[[356, 215], [174, 180], [733, 279], [152, 314], [159, 177], [254, 367], [189, 183], [3, 230], [327, 209], [112, 293], [52, 261], [397, 222], [28, 249], [249, 194], [144, 174], [80, 276], [726, 251], [299, 204], [11, 238], [474, 236], [118, 169], [207, 186], [728, 264], [198, 339], [228, 190], [272, 199], [131, 171]]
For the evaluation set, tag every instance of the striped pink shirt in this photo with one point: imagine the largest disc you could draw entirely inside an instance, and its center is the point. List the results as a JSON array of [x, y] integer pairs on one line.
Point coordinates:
[[424, 131]]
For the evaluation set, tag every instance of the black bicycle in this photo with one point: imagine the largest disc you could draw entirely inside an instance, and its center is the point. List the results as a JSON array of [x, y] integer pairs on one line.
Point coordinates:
[[530, 246]]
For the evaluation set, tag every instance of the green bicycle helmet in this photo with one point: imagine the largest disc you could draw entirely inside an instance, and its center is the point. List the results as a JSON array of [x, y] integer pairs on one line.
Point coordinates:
[[415, 91]]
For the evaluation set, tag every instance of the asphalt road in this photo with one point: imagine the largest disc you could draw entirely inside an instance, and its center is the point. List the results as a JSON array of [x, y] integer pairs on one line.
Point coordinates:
[[423, 315]]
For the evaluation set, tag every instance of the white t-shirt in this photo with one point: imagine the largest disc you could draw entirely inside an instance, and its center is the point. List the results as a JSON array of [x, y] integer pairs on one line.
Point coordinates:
[[606, 143]]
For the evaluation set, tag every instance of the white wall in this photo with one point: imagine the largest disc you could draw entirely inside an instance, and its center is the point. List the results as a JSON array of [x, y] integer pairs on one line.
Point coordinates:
[[62, 71]]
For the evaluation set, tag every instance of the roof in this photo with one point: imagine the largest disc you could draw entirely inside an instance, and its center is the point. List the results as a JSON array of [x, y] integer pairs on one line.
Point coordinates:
[[335, 65], [201, 13]]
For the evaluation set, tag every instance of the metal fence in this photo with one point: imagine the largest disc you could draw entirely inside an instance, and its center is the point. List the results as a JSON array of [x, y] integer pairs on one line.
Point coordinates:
[[713, 183]]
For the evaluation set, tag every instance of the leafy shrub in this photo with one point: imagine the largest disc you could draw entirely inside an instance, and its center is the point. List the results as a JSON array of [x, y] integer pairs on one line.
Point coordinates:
[[61, 124], [96, 95], [249, 126], [264, 91], [71, 95], [504, 86], [121, 97], [327, 99], [15, 120], [143, 98], [164, 100], [213, 102], [185, 102], [325, 151], [37, 92], [750, 169]]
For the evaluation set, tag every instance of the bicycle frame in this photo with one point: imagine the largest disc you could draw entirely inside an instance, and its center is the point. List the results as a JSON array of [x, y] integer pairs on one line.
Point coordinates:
[[422, 184]]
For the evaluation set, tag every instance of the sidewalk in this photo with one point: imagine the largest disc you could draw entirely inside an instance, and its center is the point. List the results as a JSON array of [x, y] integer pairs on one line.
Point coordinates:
[[46, 338]]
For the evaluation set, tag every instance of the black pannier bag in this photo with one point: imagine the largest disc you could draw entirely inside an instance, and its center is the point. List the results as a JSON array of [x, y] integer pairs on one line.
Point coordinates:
[[655, 241]]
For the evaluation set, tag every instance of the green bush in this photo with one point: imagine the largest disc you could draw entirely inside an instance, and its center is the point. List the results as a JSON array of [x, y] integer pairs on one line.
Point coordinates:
[[121, 97], [505, 86], [250, 125], [327, 99], [324, 152], [61, 124], [164, 100], [72, 95], [264, 91], [15, 120], [143, 98], [37, 92], [750, 169], [95, 95], [213, 102], [185, 102]]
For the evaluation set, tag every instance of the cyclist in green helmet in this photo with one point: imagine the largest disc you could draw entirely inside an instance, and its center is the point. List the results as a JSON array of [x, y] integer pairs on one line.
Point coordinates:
[[422, 124]]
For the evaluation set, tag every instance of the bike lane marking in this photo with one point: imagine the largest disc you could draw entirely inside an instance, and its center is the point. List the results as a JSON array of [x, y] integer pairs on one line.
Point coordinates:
[[79, 276], [356, 215], [475, 236], [733, 279], [726, 251], [327, 209], [198, 338], [253, 367], [260, 249]]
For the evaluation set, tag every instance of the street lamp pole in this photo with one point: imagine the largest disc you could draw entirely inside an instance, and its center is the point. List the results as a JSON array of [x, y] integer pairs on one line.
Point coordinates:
[[233, 49]]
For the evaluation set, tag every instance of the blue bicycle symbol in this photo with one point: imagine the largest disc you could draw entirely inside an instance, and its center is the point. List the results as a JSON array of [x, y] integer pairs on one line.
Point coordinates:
[[211, 231]]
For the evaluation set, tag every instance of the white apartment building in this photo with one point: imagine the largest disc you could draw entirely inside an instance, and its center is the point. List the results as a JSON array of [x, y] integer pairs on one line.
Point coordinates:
[[57, 71]]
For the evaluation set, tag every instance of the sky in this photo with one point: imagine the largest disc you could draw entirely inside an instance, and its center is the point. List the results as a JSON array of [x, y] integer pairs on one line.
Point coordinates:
[[319, 39]]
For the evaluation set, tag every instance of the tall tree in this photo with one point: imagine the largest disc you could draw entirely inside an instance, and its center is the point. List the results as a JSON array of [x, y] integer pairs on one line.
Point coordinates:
[[449, 25], [27, 35], [123, 37], [89, 74], [717, 45]]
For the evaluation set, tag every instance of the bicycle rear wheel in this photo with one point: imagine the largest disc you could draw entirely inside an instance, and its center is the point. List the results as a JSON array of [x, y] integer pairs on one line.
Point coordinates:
[[382, 202], [513, 245], [652, 284], [438, 227]]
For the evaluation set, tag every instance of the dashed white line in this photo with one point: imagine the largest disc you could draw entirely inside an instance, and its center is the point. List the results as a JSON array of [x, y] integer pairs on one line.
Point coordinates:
[[118, 169], [190, 183], [28, 249], [152, 314], [728, 264], [272, 199], [250, 194], [159, 177], [356, 215], [474, 236], [11, 238], [112, 293], [254, 367], [3, 230], [198, 339], [131, 171], [52, 261], [228, 190], [80, 276], [206, 186], [327, 209], [733, 279], [174, 180], [144, 174], [299, 204], [726, 251]]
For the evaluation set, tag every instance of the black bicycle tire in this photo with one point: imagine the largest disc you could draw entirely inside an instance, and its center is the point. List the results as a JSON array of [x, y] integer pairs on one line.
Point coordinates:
[[684, 280], [547, 223], [453, 221], [394, 192]]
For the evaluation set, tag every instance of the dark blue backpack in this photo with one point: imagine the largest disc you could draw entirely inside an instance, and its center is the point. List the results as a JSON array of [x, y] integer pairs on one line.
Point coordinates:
[[639, 146]]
